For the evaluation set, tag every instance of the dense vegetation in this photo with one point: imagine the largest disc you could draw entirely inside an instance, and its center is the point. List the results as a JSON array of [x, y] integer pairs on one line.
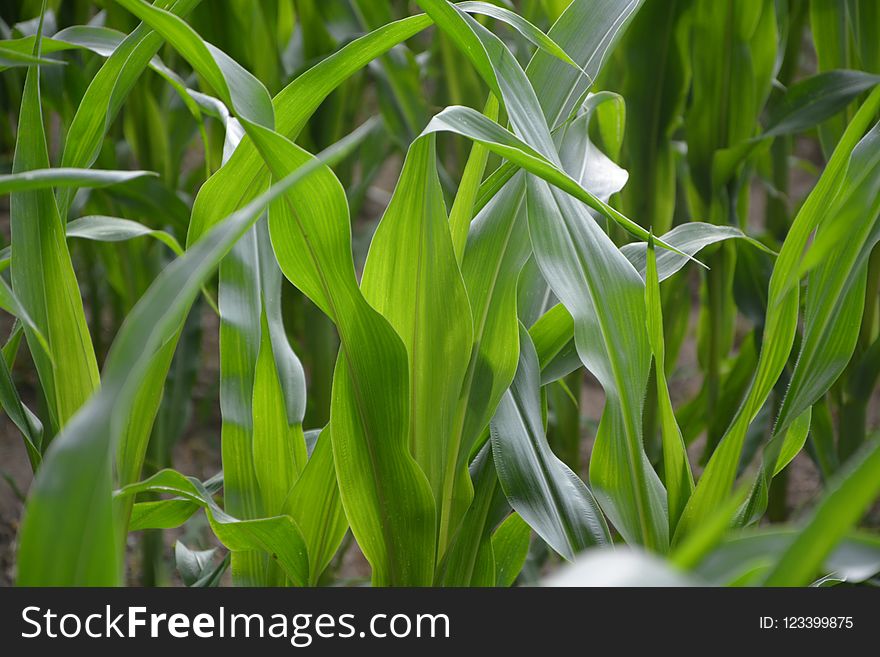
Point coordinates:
[[625, 277]]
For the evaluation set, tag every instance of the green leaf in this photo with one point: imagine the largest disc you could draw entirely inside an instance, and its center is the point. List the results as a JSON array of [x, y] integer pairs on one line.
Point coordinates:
[[855, 558], [553, 337], [388, 503], [678, 478], [241, 178], [170, 513], [42, 274], [846, 500], [781, 323], [469, 559], [836, 285], [653, 75], [497, 248], [510, 543], [542, 489], [116, 229], [10, 58], [605, 295], [237, 88], [473, 125], [106, 93], [29, 424], [777, 454], [690, 238], [819, 97], [191, 563], [196, 567], [10, 303], [412, 278], [464, 206], [74, 481], [316, 507], [521, 25], [277, 535], [49, 178]]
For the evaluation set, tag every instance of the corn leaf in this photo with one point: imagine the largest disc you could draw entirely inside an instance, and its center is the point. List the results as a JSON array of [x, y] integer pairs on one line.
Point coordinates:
[[510, 544], [541, 489], [678, 478], [42, 274], [781, 322], [412, 278], [74, 481], [277, 535], [847, 500]]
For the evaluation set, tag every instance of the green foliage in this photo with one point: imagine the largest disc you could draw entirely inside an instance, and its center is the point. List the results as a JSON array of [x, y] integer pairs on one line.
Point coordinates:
[[404, 364]]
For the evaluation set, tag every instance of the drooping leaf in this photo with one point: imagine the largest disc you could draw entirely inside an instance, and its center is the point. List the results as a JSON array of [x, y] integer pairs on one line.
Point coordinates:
[[541, 489]]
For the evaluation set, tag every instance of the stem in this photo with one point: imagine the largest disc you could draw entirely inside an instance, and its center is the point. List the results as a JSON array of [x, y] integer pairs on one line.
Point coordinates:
[[851, 427], [715, 284], [565, 435]]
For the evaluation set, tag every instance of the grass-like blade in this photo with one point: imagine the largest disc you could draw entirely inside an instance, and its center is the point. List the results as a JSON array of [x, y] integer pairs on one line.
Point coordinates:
[[542, 489]]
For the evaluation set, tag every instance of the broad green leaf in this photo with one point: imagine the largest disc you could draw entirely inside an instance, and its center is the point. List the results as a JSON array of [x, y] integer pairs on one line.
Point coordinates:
[[106, 93], [781, 322], [388, 503], [605, 296], [412, 278], [239, 180], [473, 125], [315, 505], [583, 161], [42, 274], [74, 480], [653, 75], [690, 238], [49, 178], [29, 424], [846, 500], [815, 99], [277, 535], [469, 559], [496, 249], [542, 489], [262, 440], [510, 544], [678, 478], [587, 30]]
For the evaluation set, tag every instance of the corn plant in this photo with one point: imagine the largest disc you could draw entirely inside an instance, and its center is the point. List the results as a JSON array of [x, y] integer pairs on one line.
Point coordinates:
[[418, 397]]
